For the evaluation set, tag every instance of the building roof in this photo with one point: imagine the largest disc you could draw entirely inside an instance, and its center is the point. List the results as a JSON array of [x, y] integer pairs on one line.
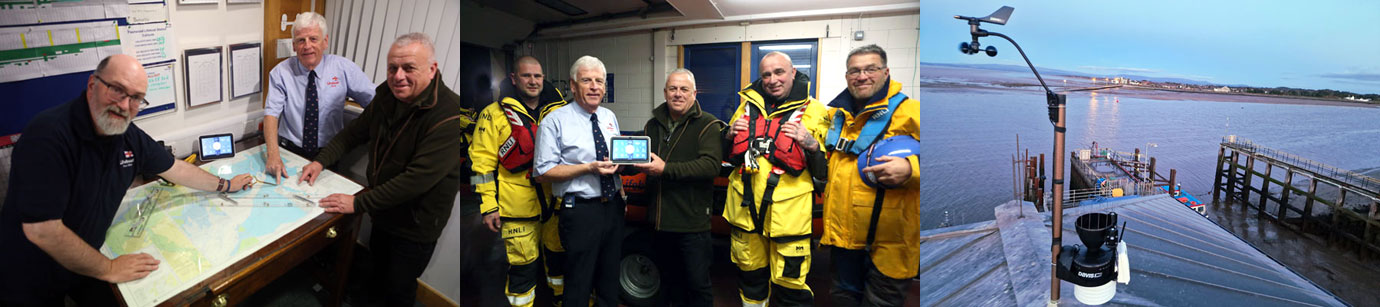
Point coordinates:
[[1177, 258]]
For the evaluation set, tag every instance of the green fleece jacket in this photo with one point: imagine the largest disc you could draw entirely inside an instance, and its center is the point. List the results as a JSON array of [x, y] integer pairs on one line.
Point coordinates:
[[414, 160], [692, 151]]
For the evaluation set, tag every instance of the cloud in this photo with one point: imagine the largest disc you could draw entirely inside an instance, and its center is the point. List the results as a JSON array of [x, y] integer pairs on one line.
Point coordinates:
[[1357, 77]]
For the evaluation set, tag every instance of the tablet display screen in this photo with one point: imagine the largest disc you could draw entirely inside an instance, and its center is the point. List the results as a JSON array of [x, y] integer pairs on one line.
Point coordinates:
[[217, 146], [629, 149]]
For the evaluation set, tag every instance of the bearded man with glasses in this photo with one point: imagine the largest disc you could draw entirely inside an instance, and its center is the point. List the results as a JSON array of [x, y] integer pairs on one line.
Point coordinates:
[[71, 167]]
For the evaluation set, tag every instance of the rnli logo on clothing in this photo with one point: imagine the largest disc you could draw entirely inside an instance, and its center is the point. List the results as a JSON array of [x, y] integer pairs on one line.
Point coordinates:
[[335, 81], [128, 160]]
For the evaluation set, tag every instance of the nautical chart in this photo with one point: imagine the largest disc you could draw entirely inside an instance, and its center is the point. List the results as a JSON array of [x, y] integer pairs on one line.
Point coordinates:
[[196, 234]]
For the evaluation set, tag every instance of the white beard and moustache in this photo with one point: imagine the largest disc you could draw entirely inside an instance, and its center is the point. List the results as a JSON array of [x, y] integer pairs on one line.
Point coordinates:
[[113, 126]]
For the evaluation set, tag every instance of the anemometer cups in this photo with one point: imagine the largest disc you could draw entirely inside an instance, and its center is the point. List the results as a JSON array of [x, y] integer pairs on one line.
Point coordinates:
[[972, 48], [1092, 266]]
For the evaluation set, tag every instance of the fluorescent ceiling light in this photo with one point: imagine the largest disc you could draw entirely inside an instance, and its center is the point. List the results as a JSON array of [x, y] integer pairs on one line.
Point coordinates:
[[786, 47]]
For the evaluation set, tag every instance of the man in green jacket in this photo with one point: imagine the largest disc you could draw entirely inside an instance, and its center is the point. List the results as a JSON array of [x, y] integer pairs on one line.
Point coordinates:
[[412, 133], [680, 185]]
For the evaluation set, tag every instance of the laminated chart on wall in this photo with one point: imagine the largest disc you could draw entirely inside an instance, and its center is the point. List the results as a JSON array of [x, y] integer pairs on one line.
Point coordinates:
[[149, 43], [246, 69], [20, 12], [162, 95], [203, 74], [50, 50]]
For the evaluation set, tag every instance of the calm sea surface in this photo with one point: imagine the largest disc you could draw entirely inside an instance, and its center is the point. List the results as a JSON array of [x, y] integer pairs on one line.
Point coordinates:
[[969, 134]]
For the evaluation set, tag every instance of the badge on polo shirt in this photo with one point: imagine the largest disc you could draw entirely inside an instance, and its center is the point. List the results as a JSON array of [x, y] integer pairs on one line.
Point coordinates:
[[335, 82], [127, 160]]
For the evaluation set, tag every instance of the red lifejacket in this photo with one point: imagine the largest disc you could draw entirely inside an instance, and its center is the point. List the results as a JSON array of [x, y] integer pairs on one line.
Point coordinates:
[[782, 151], [516, 153]]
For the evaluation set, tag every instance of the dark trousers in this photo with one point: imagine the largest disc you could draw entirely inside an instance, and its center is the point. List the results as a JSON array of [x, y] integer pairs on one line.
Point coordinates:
[[85, 291], [685, 259], [308, 153], [857, 282], [397, 264], [591, 231]]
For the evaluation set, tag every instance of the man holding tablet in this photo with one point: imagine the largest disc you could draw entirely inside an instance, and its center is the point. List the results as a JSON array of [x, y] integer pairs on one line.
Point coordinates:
[[688, 139], [573, 155]]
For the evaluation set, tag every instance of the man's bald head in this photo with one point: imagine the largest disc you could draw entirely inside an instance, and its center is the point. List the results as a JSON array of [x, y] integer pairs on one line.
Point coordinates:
[[778, 74], [115, 93]]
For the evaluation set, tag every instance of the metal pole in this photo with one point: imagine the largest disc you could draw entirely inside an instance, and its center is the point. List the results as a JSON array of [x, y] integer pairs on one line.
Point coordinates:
[[1058, 228]]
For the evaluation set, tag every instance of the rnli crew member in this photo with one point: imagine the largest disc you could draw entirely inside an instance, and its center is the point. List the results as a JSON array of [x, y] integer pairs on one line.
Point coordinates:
[[412, 133], [512, 202], [573, 155], [686, 152], [305, 107], [872, 233], [71, 169], [774, 143]]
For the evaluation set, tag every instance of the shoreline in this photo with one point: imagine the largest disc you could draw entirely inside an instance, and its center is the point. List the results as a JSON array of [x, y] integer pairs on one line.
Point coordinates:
[[940, 77]]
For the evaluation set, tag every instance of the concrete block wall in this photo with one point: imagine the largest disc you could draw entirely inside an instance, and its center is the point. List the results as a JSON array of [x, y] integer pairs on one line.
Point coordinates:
[[629, 57]]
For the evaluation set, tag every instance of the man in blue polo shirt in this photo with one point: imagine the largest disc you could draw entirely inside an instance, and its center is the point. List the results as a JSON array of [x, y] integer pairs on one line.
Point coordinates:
[[71, 168], [306, 95]]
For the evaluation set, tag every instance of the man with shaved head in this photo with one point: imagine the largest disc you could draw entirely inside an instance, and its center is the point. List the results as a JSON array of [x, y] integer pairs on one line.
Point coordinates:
[[71, 168], [774, 144], [513, 203]]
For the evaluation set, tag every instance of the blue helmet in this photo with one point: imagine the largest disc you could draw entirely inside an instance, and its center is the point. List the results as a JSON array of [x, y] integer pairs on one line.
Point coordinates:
[[896, 146]]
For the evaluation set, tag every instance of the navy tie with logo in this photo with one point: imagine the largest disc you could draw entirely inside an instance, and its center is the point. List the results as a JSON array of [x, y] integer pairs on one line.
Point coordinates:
[[309, 118], [601, 151]]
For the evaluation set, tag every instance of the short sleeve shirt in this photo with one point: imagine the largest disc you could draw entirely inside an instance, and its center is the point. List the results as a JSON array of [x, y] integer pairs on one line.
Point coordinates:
[[61, 169]]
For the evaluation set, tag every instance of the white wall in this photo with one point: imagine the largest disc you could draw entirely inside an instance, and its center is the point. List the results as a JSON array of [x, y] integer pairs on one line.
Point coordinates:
[[208, 25], [628, 57], [640, 60], [363, 31]]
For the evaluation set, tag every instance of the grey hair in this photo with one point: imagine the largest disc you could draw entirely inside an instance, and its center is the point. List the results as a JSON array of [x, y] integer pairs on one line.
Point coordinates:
[[310, 20], [783, 55], [585, 62], [873, 49], [417, 38], [687, 74]]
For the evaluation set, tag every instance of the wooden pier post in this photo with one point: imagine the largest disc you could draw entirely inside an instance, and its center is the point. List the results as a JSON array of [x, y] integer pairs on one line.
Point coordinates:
[[1245, 195], [1217, 182], [1264, 189], [1284, 195], [1337, 214], [1308, 204], [1231, 177]]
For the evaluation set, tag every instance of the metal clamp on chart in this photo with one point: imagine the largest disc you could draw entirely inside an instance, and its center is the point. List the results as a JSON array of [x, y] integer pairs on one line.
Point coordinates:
[[225, 200], [142, 211]]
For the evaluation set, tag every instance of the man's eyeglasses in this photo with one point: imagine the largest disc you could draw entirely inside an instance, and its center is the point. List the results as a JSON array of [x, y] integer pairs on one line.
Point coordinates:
[[870, 70], [124, 94]]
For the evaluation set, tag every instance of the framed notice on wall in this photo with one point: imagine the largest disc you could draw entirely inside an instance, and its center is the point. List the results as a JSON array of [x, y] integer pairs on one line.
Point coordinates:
[[246, 68], [203, 71]]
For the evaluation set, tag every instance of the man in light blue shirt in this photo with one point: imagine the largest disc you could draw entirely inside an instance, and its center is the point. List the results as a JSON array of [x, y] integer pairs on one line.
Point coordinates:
[[306, 96], [572, 154]]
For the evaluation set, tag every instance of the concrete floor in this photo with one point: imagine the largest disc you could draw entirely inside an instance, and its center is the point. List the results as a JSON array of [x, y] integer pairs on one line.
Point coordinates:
[[484, 275]]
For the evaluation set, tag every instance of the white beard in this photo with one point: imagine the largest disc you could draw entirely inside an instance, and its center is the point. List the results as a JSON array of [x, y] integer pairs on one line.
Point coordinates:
[[111, 126]]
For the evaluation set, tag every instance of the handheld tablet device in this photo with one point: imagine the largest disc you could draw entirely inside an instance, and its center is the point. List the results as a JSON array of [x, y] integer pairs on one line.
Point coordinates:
[[630, 150], [216, 146]]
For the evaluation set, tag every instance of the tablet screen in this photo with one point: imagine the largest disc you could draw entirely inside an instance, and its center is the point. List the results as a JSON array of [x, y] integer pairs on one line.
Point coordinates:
[[217, 146], [629, 149]]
